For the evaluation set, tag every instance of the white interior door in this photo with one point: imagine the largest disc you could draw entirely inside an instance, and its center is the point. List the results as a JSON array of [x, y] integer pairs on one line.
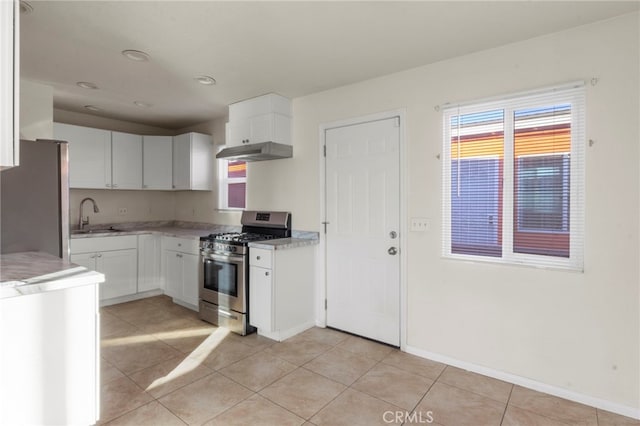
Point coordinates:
[[362, 241]]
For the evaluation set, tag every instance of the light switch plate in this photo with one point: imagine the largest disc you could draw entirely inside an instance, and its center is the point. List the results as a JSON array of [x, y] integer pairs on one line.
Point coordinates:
[[420, 224]]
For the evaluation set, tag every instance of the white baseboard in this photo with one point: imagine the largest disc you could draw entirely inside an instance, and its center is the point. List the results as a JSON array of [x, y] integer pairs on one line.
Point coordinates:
[[281, 335], [529, 383], [186, 305], [131, 297]]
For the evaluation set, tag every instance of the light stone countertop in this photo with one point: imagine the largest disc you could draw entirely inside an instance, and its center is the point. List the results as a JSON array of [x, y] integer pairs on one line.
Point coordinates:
[[197, 230], [34, 272], [284, 243], [169, 231]]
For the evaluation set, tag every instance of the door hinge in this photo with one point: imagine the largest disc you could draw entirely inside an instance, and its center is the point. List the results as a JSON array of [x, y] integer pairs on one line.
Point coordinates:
[[325, 304], [325, 226], [324, 150], [397, 123]]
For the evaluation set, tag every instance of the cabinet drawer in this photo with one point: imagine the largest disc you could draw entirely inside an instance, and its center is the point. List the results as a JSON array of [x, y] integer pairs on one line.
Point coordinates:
[[260, 257], [184, 245], [92, 244]]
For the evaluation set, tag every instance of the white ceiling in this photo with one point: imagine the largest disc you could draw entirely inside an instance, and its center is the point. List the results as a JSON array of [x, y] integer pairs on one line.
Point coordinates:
[[251, 48]]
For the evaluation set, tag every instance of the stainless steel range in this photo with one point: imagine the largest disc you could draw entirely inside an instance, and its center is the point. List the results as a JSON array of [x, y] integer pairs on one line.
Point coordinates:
[[224, 270]]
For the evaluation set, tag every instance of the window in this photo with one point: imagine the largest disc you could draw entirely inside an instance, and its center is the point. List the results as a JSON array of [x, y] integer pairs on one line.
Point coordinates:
[[232, 193], [514, 179]]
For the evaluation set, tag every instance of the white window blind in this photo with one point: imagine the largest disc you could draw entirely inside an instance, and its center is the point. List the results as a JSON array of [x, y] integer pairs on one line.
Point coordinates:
[[514, 179]]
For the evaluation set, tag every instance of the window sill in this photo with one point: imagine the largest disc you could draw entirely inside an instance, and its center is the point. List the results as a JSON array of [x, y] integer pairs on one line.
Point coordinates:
[[559, 267]]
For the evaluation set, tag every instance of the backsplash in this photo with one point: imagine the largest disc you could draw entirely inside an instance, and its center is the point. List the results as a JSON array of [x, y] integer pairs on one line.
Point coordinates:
[[122, 206]]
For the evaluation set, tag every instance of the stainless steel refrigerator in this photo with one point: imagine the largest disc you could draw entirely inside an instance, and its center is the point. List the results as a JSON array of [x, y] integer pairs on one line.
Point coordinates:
[[34, 200]]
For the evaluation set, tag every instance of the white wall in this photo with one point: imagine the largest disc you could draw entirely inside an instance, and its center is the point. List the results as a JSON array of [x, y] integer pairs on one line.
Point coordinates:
[[141, 205], [36, 110], [575, 331]]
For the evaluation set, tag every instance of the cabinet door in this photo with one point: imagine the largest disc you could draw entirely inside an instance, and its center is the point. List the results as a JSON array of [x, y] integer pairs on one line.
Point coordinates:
[[157, 162], [193, 162], [201, 162], [261, 298], [172, 262], [149, 276], [238, 132], [89, 155], [262, 128], [126, 160], [120, 268], [88, 260], [190, 269], [181, 162], [9, 84]]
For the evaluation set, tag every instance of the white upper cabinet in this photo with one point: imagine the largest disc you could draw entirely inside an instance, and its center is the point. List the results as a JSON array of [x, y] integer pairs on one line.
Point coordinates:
[[101, 159], [157, 162], [266, 118], [126, 160], [9, 84], [192, 162], [89, 155]]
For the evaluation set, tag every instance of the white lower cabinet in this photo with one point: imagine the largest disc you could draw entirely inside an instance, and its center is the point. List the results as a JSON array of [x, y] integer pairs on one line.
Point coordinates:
[[180, 263], [149, 273], [281, 291], [115, 257], [260, 298]]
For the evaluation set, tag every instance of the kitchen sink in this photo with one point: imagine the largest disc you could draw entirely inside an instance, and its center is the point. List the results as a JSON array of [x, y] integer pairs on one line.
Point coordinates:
[[95, 230]]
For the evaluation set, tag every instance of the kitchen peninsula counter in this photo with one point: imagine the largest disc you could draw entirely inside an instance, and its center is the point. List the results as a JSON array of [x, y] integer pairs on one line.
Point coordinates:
[[49, 324], [35, 272]]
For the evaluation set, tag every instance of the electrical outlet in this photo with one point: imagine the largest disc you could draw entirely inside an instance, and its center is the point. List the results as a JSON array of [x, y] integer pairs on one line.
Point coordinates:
[[122, 211], [420, 224]]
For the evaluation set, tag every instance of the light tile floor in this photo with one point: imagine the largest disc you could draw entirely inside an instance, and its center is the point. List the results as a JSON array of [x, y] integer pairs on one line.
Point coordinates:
[[161, 365]]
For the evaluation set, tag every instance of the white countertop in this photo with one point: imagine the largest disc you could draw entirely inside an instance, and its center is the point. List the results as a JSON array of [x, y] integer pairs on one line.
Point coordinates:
[[35, 272]]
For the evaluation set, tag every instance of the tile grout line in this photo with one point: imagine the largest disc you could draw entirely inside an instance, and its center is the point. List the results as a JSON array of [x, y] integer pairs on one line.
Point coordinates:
[[506, 407]]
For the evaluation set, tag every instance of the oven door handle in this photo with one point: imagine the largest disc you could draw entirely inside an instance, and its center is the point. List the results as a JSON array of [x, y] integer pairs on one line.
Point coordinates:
[[222, 257]]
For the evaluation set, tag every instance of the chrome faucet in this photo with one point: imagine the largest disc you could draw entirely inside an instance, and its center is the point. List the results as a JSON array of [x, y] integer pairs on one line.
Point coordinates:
[[83, 222]]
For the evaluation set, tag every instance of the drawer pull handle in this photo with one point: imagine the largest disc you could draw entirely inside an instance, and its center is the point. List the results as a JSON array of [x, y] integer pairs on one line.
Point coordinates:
[[266, 274], [257, 257]]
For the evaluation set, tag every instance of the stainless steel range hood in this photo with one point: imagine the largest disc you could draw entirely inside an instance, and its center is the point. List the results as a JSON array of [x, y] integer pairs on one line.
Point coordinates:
[[257, 152]]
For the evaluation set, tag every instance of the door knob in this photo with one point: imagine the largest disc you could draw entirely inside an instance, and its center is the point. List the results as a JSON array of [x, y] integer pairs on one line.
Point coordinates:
[[393, 235], [392, 251]]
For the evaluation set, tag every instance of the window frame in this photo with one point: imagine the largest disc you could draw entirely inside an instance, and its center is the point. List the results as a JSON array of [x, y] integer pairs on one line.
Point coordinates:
[[573, 94], [223, 186]]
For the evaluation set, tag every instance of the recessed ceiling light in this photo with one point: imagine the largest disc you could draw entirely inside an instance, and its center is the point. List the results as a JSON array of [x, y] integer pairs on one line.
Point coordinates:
[[206, 80], [136, 55], [86, 85], [92, 108], [142, 104], [25, 7]]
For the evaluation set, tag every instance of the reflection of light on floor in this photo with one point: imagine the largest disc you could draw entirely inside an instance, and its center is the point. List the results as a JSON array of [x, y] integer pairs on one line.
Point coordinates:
[[165, 335], [194, 359]]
